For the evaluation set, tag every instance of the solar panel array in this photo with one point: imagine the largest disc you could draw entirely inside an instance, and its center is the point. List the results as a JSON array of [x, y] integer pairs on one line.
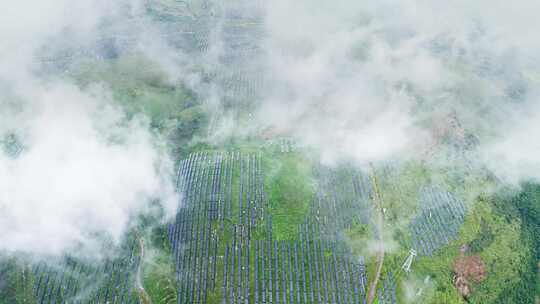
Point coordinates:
[[438, 222], [223, 243], [74, 281], [387, 294], [222, 239], [439, 217], [224, 248], [341, 202]]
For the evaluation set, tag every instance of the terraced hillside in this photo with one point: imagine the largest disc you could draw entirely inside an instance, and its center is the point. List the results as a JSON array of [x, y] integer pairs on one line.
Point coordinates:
[[261, 218], [226, 250], [230, 243], [266, 226]]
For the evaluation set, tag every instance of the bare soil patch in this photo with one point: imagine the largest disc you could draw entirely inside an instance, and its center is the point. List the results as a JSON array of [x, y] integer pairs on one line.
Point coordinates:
[[468, 269]]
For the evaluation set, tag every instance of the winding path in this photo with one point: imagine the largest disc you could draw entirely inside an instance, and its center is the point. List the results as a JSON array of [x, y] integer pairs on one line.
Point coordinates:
[[380, 253], [145, 298]]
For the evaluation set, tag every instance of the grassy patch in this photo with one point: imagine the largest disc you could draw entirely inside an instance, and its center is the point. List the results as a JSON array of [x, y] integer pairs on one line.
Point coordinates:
[[290, 191], [158, 271], [496, 240], [159, 280], [16, 282]]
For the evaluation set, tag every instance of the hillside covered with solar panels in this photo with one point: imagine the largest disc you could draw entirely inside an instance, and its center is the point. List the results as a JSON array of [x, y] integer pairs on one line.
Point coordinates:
[[262, 216]]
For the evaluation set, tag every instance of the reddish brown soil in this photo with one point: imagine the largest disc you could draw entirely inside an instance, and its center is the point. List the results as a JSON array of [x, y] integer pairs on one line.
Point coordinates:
[[468, 269]]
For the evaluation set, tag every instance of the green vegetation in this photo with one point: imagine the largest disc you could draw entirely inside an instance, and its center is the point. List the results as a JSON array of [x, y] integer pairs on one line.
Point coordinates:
[[291, 191], [524, 207], [139, 86], [16, 283], [357, 236], [159, 278], [499, 240], [157, 269], [504, 231]]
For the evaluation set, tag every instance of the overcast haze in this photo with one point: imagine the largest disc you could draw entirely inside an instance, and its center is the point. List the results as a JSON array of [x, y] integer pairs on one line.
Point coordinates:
[[87, 167], [354, 80]]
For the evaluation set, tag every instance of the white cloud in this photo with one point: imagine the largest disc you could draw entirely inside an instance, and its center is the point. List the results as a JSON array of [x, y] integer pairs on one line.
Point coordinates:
[[87, 167], [359, 80], [86, 170]]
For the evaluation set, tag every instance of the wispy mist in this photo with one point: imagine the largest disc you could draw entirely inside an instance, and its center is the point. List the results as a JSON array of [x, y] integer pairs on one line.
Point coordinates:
[[87, 167], [354, 80], [389, 79]]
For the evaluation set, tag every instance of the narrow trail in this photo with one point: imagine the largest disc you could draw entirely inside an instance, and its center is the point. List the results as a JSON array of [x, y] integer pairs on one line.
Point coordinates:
[[380, 253], [143, 295]]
